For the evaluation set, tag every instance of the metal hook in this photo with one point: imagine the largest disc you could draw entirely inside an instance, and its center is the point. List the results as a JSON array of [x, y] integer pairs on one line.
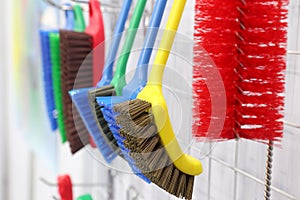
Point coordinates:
[[50, 184], [58, 6], [107, 5]]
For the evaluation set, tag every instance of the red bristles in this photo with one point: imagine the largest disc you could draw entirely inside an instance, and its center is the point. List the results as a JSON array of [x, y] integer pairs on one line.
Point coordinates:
[[216, 26], [247, 42]]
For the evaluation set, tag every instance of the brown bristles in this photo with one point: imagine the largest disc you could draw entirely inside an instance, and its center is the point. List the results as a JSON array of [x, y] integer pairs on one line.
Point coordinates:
[[77, 71], [101, 122], [143, 141]]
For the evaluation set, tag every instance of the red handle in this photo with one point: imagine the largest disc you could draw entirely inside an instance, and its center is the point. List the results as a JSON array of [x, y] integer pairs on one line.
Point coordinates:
[[96, 30], [65, 187]]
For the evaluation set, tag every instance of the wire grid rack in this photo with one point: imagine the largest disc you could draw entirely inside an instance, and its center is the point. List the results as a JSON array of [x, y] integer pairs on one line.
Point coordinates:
[[233, 158], [283, 186]]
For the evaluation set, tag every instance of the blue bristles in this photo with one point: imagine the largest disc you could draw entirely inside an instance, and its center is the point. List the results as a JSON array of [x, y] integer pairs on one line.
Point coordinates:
[[81, 98], [131, 90], [47, 78]]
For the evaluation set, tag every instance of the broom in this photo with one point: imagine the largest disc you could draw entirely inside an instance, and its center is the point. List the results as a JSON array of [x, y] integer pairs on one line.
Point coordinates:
[[75, 47], [136, 84], [247, 41], [108, 90], [159, 156], [80, 97], [77, 23]]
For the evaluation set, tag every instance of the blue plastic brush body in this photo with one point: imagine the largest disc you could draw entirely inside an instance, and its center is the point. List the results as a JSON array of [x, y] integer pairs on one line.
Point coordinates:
[[47, 78], [80, 96], [137, 83], [47, 68]]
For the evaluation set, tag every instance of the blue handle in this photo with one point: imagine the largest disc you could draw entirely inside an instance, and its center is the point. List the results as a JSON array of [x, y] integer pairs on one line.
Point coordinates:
[[69, 18], [108, 67], [142, 67], [140, 77]]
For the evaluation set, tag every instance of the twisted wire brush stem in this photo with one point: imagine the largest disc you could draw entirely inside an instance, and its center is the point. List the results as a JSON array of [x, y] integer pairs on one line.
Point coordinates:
[[268, 178]]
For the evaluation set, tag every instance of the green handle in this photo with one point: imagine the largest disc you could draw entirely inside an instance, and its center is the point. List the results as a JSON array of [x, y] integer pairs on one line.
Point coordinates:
[[79, 23], [85, 197], [119, 79]]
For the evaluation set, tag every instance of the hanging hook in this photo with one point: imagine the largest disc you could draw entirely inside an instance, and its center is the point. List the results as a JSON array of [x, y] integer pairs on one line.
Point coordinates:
[[106, 5], [50, 184], [58, 6]]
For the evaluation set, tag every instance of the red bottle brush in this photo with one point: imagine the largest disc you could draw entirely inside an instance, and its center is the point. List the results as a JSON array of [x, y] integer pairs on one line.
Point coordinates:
[[247, 42]]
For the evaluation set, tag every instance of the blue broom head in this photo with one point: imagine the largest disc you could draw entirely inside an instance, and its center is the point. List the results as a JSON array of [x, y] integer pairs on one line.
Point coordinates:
[[131, 90], [80, 97], [106, 104], [47, 77], [81, 100]]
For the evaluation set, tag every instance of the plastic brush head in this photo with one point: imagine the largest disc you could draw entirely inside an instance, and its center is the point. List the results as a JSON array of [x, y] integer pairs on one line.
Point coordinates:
[[81, 97], [97, 113], [47, 77], [56, 76], [141, 138], [118, 81], [76, 72]]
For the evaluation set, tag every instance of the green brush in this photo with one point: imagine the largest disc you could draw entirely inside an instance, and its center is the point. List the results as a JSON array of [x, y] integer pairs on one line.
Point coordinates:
[[54, 38]]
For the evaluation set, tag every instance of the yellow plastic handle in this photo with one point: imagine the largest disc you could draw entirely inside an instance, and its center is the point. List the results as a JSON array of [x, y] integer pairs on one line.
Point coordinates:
[[153, 94], [167, 40]]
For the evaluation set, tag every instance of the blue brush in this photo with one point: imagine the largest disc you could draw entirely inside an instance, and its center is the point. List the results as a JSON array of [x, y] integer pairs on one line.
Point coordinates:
[[47, 68], [138, 82], [47, 78], [81, 99]]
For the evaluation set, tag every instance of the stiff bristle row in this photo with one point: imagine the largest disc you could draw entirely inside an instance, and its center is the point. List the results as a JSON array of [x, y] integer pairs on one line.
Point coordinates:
[[98, 115], [141, 138], [246, 41], [76, 72]]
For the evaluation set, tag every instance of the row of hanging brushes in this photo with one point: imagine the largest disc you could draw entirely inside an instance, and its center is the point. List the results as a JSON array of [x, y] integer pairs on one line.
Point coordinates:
[[117, 116], [249, 55], [63, 54]]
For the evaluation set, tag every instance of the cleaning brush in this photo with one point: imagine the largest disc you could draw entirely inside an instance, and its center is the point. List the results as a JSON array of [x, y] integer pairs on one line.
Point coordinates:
[[136, 84], [76, 22], [247, 42], [118, 81], [80, 97], [106, 87], [77, 72], [149, 136], [47, 77]]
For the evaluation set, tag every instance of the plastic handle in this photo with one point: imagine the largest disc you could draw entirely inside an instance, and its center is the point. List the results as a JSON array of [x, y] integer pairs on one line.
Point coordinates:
[[65, 187], [109, 64], [96, 30], [167, 40], [119, 79], [85, 197], [142, 67], [153, 94], [79, 23], [69, 18]]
